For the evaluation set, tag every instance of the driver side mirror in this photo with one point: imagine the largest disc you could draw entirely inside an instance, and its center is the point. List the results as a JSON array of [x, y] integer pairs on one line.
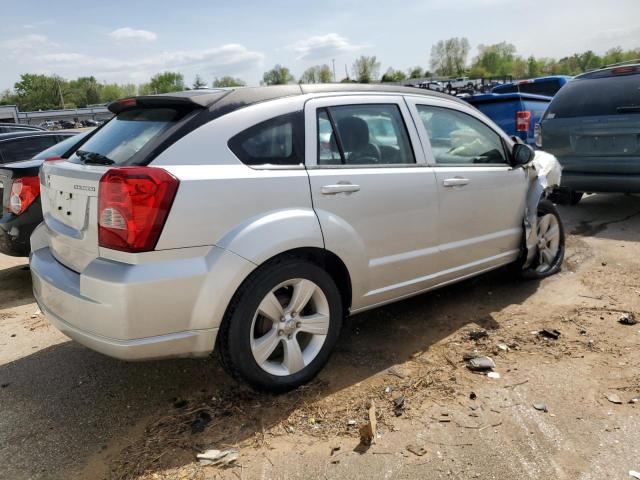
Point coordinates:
[[521, 154]]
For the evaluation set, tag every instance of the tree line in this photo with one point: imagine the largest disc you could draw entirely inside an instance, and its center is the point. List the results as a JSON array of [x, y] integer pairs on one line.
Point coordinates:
[[449, 58]]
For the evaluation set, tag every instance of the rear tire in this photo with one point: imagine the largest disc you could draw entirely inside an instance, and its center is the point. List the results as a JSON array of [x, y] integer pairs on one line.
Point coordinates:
[[281, 325], [551, 243]]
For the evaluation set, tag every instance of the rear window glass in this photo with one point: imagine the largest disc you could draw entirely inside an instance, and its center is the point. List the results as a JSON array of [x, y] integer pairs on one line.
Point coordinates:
[[25, 148], [277, 141], [62, 147], [548, 88], [598, 96], [127, 133]]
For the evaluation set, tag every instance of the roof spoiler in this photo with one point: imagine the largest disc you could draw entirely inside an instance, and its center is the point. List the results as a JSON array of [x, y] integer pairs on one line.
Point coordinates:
[[189, 100]]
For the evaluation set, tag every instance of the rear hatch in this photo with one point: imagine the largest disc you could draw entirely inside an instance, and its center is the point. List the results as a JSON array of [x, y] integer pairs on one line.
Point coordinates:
[[593, 124], [69, 189]]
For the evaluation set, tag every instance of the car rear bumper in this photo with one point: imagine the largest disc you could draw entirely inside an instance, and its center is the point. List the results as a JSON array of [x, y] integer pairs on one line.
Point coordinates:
[[601, 182], [15, 231], [135, 312]]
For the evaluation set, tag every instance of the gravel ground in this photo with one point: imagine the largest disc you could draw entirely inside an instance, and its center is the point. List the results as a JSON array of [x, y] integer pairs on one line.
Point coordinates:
[[67, 412]]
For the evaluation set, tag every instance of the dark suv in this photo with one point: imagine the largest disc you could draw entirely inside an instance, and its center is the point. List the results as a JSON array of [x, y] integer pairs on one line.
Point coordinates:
[[593, 127]]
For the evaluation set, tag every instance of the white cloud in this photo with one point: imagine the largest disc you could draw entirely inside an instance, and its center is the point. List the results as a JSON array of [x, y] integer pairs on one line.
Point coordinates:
[[324, 47], [226, 59], [24, 44], [127, 33]]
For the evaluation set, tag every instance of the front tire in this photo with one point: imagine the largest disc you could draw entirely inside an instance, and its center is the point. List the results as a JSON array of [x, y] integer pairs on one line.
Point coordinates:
[[281, 325], [551, 243]]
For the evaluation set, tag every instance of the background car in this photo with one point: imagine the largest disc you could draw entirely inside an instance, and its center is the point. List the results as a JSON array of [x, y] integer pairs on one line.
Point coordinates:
[[18, 127], [203, 218], [20, 194], [25, 145], [592, 126]]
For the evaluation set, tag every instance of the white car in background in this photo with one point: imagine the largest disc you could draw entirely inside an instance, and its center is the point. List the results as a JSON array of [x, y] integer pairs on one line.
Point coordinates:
[[253, 220]]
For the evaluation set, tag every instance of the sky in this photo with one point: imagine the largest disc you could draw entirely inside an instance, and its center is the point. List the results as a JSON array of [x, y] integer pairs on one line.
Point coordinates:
[[131, 41]]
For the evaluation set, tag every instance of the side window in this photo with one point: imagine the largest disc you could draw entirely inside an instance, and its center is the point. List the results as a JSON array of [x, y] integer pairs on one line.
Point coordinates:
[[26, 148], [372, 134], [277, 141], [458, 138]]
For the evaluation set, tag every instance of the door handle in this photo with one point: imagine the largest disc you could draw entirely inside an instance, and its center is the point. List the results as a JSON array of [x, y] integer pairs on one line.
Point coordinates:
[[455, 182], [339, 188]]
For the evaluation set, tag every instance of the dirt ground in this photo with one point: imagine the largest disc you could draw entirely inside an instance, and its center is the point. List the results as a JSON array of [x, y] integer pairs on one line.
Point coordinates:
[[67, 412]]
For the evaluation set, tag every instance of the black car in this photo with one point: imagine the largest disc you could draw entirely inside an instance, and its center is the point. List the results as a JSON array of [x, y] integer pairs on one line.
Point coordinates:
[[20, 193], [17, 127], [18, 146], [592, 126]]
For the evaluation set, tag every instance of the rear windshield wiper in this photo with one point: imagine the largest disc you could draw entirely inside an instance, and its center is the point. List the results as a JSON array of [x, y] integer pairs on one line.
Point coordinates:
[[94, 157], [629, 109]]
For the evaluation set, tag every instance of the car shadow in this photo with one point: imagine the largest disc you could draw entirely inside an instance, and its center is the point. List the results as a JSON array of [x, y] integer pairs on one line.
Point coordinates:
[[613, 216], [66, 404], [15, 286]]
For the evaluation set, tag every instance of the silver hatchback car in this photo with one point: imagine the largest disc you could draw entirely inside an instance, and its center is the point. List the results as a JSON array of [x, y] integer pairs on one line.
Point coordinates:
[[253, 220]]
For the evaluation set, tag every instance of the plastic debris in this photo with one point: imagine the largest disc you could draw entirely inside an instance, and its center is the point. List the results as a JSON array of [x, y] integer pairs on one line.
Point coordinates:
[[416, 450], [494, 375], [541, 407], [368, 430], [613, 398], [218, 457], [635, 399], [478, 334], [388, 389], [504, 347], [549, 333], [480, 364], [634, 474], [398, 405], [628, 319], [351, 423]]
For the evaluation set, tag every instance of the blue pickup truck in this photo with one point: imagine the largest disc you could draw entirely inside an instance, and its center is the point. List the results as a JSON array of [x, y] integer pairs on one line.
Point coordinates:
[[515, 113], [547, 86]]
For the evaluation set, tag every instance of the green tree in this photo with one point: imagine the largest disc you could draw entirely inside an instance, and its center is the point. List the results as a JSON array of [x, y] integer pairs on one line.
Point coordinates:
[[198, 82], [392, 75], [38, 92], [227, 81], [278, 75], [165, 82], [317, 74], [366, 69], [83, 91], [113, 91], [497, 59], [449, 57], [416, 72]]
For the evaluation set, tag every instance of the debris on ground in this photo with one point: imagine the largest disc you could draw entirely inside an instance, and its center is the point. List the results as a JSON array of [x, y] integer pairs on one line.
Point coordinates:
[[480, 363], [504, 347], [541, 407], [368, 429], [476, 335], [550, 333], [494, 375], [628, 319], [416, 450], [218, 457], [635, 399], [200, 422], [388, 389], [398, 405], [613, 398], [634, 474]]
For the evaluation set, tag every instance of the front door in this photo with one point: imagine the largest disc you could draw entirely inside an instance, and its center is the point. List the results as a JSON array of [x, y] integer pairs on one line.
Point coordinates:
[[481, 197], [375, 197]]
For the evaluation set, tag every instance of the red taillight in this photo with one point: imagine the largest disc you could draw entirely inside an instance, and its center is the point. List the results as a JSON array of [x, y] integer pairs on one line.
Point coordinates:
[[133, 203], [23, 192], [523, 119], [55, 158], [623, 70]]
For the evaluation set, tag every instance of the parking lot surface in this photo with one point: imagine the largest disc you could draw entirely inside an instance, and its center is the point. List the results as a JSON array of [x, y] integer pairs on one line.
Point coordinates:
[[68, 412]]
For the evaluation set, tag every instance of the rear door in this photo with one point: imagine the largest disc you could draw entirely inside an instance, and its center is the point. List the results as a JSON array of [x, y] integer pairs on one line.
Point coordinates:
[[481, 197], [373, 193]]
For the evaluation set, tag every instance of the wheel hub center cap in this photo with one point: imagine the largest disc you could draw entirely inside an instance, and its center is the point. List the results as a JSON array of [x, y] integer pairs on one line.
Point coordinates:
[[289, 325]]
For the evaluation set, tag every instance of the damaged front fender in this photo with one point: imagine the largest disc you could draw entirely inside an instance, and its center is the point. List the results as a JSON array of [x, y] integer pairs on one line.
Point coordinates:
[[544, 174]]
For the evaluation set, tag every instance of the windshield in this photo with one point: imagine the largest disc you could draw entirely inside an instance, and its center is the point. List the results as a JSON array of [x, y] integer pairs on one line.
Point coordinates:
[[126, 134], [597, 96]]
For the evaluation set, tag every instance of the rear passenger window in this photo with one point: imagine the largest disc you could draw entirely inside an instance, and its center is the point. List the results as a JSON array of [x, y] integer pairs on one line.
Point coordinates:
[[457, 138], [278, 141], [363, 135]]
